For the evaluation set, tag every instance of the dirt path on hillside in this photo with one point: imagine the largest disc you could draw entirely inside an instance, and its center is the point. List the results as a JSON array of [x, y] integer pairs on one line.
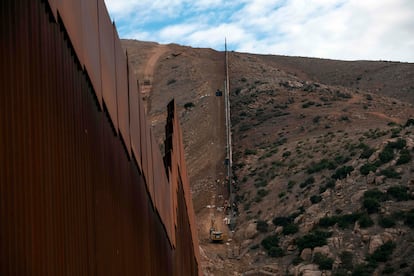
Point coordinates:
[[148, 75]]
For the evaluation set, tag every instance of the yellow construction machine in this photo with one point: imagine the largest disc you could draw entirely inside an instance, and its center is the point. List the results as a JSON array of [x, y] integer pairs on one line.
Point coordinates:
[[215, 234]]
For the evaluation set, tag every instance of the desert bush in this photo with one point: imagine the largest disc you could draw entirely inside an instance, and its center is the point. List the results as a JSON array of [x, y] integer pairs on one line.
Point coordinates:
[[371, 205], [276, 252], [297, 260], [308, 104], [399, 144], [171, 81], [342, 172], [375, 194], [324, 262], [390, 173], [262, 226], [367, 168], [405, 157], [386, 155], [291, 183], [367, 152], [365, 221], [343, 221], [410, 122], [315, 199], [245, 127], [250, 152], [313, 239], [270, 241], [282, 221], [260, 183], [382, 253], [189, 105], [262, 192], [409, 218], [321, 165], [286, 154], [386, 221], [398, 192], [346, 260], [307, 182], [290, 228]]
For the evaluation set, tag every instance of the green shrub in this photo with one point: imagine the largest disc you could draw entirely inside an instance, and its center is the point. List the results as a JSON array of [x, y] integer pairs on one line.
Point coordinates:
[[286, 154], [270, 241], [297, 260], [315, 199], [409, 218], [390, 173], [367, 168], [375, 194], [262, 226], [382, 253], [250, 152], [365, 221], [262, 192], [398, 192], [387, 154], [282, 221], [189, 105], [405, 157], [324, 262], [313, 239], [386, 221], [367, 152], [291, 183], [260, 183], [171, 81], [347, 260], [364, 270], [290, 229], [276, 252], [342, 172], [371, 205], [399, 144], [321, 165], [307, 182], [410, 122]]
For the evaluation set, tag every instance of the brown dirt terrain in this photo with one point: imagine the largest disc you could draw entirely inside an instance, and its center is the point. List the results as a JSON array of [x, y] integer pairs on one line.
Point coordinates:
[[288, 114]]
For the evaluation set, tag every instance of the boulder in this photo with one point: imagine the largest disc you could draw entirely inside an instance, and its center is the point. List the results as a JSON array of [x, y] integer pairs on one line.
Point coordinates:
[[306, 254], [324, 250], [335, 242], [250, 232], [374, 243], [308, 270], [279, 230]]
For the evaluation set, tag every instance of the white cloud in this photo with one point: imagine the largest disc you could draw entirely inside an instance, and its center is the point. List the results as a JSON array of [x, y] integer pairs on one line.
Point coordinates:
[[339, 29]]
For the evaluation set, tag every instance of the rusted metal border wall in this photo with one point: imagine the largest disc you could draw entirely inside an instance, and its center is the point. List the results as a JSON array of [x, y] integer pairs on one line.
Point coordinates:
[[83, 188]]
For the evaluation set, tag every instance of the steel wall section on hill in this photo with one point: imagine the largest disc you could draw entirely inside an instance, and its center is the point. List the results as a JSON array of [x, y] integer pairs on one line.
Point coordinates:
[[72, 202], [108, 71], [122, 91], [134, 124], [91, 48]]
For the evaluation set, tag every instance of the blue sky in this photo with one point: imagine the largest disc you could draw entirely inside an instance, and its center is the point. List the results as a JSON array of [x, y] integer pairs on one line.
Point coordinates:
[[336, 29]]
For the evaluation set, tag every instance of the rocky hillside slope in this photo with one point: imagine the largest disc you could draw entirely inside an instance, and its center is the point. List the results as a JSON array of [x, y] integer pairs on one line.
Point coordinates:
[[324, 172], [323, 158]]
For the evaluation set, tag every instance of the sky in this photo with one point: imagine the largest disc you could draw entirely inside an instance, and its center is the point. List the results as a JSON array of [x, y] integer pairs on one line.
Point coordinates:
[[334, 29]]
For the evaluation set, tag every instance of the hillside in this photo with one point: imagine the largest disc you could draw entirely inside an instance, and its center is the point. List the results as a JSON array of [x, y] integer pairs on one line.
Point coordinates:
[[322, 157]]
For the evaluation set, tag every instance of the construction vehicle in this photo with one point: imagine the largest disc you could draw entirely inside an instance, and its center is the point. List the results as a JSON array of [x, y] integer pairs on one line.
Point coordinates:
[[215, 235]]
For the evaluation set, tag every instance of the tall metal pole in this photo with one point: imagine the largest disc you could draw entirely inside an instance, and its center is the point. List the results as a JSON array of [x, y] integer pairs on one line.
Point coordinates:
[[228, 133]]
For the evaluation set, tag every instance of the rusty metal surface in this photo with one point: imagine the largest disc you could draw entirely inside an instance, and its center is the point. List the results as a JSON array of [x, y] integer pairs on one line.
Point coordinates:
[[71, 14], [108, 72], [71, 201], [134, 117], [122, 91], [91, 48]]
